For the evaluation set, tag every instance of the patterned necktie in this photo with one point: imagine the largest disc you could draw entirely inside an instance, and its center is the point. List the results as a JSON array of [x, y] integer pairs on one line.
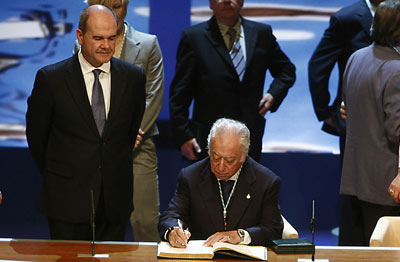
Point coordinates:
[[236, 54], [226, 188], [98, 109], [232, 37]]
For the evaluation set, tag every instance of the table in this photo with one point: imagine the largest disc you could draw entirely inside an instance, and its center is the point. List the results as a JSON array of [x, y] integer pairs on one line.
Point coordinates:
[[62, 251]]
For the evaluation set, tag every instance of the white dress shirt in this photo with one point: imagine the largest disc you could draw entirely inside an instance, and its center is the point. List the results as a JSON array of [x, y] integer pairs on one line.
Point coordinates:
[[104, 78]]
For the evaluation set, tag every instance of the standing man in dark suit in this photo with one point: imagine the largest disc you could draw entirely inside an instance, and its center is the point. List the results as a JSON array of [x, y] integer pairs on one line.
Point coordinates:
[[82, 120], [348, 31], [221, 66], [226, 197]]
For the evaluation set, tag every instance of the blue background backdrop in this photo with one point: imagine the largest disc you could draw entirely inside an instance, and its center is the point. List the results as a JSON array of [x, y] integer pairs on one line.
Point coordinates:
[[293, 127]]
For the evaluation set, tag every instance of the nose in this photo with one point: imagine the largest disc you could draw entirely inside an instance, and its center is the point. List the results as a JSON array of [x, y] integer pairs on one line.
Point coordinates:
[[106, 44], [221, 165]]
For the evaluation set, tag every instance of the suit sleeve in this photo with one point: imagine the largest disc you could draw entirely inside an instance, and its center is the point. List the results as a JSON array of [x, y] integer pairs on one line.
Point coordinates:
[[178, 208], [154, 86], [38, 117], [321, 64], [139, 98], [391, 107], [283, 72], [182, 91], [271, 225]]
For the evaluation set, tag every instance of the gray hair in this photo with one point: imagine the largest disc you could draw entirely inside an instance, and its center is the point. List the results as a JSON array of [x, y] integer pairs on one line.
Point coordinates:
[[232, 126], [102, 2], [85, 13], [385, 29]]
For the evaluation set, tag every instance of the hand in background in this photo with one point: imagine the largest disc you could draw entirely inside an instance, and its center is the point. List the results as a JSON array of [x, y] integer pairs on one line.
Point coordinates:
[[343, 112], [265, 104], [189, 148], [139, 139], [394, 188]]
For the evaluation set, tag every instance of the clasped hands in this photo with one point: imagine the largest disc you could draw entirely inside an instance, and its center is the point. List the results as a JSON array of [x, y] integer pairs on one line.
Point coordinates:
[[179, 238]]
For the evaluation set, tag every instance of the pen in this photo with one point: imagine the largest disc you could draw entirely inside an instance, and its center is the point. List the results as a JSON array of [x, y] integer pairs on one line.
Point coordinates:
[[180, 225]]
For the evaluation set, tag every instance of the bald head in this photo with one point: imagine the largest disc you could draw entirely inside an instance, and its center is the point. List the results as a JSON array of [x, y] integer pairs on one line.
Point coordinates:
[[97, 33], [94, 10]]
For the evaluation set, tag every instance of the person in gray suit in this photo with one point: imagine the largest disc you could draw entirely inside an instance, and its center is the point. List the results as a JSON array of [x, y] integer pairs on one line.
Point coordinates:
[[143, 50], [370, 182]]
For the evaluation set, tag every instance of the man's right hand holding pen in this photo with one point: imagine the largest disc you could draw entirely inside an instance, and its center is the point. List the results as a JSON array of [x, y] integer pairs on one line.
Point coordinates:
[[179, 237]]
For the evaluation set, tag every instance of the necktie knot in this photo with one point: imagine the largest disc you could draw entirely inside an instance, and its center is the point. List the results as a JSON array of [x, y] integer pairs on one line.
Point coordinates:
[[232, 37], [96, 73]]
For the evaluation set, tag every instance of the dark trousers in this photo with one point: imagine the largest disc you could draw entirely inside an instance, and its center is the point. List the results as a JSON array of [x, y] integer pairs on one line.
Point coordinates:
[[105, 230], [358, 220], [342, 144]]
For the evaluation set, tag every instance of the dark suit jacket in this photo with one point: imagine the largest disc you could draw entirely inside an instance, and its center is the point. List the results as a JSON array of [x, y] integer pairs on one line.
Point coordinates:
[[253, 207], [348, 31], [71, 155], [205, 73]]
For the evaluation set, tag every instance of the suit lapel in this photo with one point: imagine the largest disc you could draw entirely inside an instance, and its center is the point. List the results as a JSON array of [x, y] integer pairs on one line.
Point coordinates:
[[213, 35], [118, 85], [211, 198], [242, 197], [77, 87], [250, 36], [132, 43], [365, 17]]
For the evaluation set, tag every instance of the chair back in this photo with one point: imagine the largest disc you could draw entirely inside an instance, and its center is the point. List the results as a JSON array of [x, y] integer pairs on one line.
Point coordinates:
[[386, 232], [288, 230]]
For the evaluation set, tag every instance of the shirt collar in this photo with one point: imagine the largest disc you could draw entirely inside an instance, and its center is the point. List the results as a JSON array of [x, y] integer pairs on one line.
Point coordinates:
[[371, 7], [224, 28], [88, 68]]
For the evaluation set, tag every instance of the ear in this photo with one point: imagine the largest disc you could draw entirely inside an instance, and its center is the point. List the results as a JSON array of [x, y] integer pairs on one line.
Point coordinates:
[[79, 36], [211, 2]]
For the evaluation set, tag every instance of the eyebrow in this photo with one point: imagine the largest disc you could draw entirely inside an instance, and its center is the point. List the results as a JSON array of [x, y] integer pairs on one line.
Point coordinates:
[[215, 152]]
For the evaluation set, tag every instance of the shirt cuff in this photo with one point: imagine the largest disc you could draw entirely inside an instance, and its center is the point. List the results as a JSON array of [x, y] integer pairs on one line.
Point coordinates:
[[247, 238]]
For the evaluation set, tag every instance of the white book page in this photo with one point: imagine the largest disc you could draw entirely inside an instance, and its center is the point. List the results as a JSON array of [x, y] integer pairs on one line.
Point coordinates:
[[193, 247], [258, 252]]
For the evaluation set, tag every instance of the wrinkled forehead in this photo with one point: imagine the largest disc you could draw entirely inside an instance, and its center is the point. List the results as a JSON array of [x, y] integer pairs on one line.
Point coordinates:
[[101, 22]]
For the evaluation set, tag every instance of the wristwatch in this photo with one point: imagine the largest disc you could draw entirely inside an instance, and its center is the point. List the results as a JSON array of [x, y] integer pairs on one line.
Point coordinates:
[[241, 235]]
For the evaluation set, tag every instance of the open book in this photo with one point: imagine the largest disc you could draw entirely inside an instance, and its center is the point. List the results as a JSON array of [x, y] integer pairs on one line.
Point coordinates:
[[196, 250]]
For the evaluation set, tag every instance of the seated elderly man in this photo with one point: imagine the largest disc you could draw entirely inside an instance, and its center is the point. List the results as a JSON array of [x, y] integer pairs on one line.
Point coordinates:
[[226, 197]]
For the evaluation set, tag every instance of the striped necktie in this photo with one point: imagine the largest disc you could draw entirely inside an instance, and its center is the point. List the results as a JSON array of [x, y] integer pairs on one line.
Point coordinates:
[[98, 108], [236, 54]]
